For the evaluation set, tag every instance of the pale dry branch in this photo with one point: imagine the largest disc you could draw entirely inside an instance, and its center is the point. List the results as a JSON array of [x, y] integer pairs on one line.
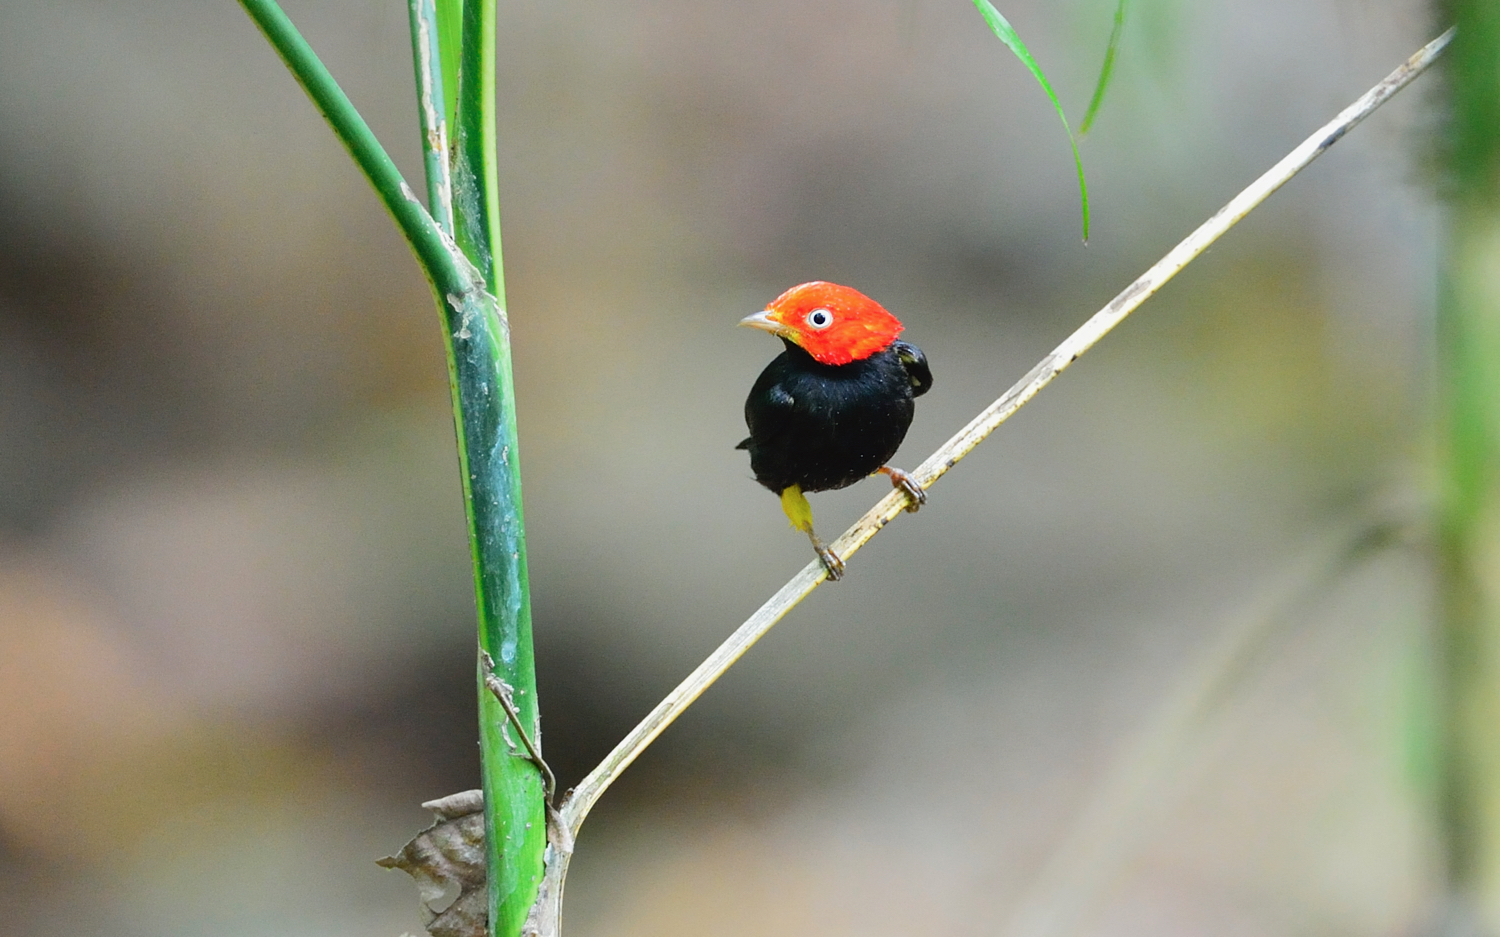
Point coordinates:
[[577, 804]]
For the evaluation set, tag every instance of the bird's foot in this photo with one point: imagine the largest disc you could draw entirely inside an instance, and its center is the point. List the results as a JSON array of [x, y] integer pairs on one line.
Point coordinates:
[[916, 497], [831, 561], [799, 512]]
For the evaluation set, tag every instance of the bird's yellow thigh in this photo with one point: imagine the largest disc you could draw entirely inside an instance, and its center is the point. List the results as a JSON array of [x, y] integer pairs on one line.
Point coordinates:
[[798, 511]]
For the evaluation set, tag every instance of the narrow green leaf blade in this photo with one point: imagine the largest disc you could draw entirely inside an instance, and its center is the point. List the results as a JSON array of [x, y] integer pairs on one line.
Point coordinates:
[[1107, 70], [1007, 34]]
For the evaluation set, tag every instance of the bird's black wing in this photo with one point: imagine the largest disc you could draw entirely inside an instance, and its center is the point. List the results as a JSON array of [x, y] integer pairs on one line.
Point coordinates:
[[768, 411], [915, 363]]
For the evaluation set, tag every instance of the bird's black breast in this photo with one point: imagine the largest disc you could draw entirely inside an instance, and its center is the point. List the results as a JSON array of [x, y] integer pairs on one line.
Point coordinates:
[[824, 426]]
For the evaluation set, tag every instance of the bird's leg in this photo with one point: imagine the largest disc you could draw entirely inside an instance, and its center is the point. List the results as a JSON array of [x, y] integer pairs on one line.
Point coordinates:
[[916, 497], [831, 561], [799, 512]]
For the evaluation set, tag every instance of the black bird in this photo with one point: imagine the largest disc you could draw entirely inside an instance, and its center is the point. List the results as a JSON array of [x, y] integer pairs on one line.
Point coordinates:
[[833, 407]]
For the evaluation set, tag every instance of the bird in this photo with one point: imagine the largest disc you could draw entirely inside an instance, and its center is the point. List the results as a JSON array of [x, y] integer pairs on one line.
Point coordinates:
[[835, 405]]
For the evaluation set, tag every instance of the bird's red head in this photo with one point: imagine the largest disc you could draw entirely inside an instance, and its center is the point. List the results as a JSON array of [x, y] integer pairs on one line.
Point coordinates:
[[834, 324]]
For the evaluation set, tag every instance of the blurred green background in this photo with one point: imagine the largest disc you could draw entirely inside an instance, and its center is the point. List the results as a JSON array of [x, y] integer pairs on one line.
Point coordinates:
[[236, 625]]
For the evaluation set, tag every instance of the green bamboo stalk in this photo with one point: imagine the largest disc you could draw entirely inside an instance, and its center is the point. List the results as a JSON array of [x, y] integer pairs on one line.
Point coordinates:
[[484, 399], [466, 278], [475, 187], [1469, 513]]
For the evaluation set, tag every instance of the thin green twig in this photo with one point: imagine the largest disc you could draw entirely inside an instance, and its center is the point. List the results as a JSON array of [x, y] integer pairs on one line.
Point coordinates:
[[445, 267]]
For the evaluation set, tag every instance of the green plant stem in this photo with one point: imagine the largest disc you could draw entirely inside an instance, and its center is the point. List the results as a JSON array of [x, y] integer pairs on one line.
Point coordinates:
[[1469, 520], [484, 401], [432, 112], [477, 338], [476, 201], [448, 271]]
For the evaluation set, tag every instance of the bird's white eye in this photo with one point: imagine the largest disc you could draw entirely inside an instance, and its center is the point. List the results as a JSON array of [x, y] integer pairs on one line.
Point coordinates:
[[820, 319]]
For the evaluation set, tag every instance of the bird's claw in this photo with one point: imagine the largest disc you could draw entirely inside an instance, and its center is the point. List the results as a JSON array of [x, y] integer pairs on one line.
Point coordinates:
[[915, 496], [831, 562]]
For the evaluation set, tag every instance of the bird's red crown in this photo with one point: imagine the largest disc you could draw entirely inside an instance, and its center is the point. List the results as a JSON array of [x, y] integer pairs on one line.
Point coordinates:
[[834, 324]]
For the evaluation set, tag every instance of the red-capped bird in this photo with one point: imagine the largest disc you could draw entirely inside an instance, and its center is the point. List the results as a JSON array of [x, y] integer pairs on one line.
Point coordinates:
[[833, 407]]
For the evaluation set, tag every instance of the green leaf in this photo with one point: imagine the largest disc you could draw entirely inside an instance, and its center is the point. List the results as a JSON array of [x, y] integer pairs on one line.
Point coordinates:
[[1007, 33], [1107, 70]]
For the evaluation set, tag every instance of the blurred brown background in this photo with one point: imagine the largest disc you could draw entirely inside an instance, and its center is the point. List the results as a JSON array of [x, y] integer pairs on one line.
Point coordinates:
[[235, 611]]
